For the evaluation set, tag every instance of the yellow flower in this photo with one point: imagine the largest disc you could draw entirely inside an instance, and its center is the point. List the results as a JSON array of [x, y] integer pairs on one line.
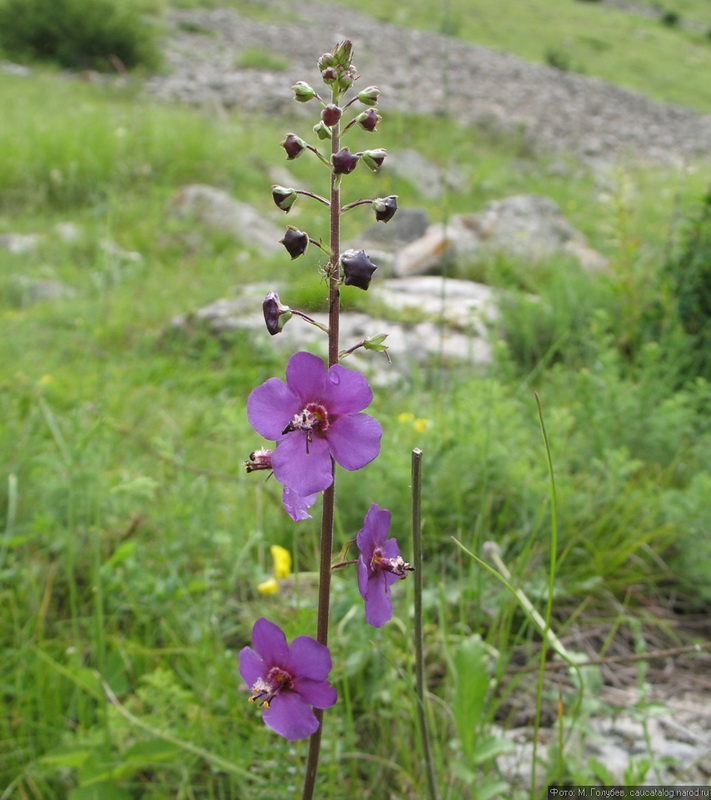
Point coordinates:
[[406, 416], [282, 561], [269, 586], [421, 425]]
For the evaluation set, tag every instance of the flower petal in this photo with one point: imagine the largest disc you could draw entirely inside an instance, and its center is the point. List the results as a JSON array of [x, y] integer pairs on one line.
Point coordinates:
[[362, 570], [271, 407], [346, 391], [306, 376], [378, 605], [319, 694], [354, 440], [270, 642], [297, 506], [251, 667], [374, 532], [290, 717], [309, 659], [305, 473]]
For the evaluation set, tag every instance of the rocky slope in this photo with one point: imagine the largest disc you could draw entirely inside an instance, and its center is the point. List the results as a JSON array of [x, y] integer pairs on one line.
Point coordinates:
[[426, 73]]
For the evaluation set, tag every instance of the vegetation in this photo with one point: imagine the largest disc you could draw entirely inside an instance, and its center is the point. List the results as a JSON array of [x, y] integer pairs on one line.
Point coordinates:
[[78, 34], [132, 543]]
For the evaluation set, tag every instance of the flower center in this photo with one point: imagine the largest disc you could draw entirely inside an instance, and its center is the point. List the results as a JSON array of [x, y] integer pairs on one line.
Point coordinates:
[[266, 689], [312, 419], [398, 566]]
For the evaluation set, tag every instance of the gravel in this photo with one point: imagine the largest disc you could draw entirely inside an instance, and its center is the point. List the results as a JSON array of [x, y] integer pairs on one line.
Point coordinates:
[[424, 73]]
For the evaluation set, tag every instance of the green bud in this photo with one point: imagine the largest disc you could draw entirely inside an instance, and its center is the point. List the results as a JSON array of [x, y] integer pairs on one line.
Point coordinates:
[[322, 130], [303, 92], [343, 53], [376, 342], [369, 96]]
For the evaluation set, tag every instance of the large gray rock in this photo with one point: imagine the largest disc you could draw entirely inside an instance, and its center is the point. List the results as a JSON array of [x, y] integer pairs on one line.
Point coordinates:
[[437, 321], [522, 227], [218, 211]]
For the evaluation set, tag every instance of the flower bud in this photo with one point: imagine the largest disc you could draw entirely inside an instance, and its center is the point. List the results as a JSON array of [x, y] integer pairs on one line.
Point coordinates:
[[357, 268], [331, 114], [284, 197], [376, 343], [303, 92], [325, 61], [276, 315], [259, 459], [294, 146], [369, 96], [373, 159], [346, 79], [343, 53], [322, 130], [344, 162], [368, 120], [385, 208], [329, 75], [295, 241]]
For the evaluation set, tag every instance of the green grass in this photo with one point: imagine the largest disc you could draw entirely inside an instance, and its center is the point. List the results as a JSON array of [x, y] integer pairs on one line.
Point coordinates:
[[667, 64], [133, 542]]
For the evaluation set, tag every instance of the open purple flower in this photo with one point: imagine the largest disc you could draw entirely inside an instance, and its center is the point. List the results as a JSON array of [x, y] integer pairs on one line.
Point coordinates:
[[287, 680], [379, 565], [312, 417]]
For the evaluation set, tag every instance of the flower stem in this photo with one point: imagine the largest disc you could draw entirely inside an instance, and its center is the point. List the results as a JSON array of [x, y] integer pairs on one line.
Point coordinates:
[[419, 638], [329, 496]]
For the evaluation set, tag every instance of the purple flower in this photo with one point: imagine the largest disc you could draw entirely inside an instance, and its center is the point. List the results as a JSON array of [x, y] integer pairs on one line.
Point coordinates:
[[312, 417], [287, 680], [379, 565], [297, 507]]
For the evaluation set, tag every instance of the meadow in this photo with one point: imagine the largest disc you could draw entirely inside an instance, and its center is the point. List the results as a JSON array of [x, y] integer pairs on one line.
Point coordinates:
[[133, 543]]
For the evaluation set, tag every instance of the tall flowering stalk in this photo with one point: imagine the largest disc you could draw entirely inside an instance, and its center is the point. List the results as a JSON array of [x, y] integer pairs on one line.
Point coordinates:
[[317, 420]]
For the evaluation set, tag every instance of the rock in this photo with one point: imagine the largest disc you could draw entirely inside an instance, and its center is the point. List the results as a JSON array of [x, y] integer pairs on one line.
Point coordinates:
[[19, 243], [217, 211], [118, 253], [67, 231], [37, 291], [438, 321], [429, 180], [523, 227]]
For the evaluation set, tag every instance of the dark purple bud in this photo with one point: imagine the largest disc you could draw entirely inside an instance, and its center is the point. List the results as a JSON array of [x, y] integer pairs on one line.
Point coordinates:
[[295, 241], [294, 146], [357, 268], [344, 162], [369, 96], [385, 208], [368, 120], [303, 92], [373, 159], [284, 197], [331, 114], [276, 316]]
